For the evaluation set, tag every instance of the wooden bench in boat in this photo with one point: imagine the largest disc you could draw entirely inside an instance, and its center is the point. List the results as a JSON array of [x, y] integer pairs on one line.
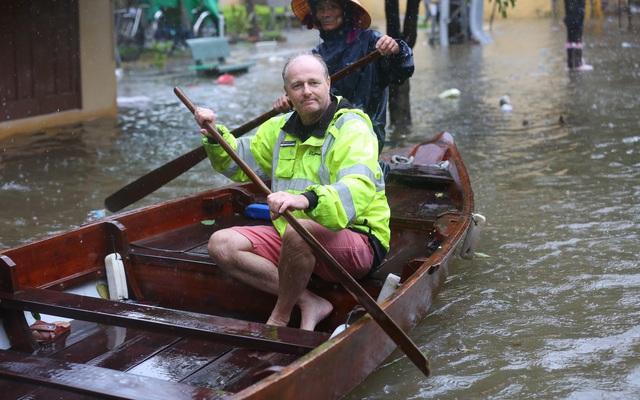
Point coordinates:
[[176, 322], [210, 57], [94, 381], [421, 176]]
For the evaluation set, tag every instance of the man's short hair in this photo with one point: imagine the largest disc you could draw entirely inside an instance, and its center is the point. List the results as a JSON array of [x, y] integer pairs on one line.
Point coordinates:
[[293, 58]]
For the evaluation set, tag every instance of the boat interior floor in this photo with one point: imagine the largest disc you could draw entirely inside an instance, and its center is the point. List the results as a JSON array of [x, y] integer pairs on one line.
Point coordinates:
[[98, 354]]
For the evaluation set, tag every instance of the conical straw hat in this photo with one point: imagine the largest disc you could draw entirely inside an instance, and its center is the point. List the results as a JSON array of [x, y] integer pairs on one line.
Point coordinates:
[[302, 10]]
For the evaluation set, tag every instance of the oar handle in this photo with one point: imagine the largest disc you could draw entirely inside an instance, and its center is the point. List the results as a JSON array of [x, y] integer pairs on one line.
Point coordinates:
[[355, 66], [379, 315], [226, 146]]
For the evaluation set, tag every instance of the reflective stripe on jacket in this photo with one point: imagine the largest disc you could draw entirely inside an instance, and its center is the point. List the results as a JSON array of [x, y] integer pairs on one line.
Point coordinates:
[[341, 168]]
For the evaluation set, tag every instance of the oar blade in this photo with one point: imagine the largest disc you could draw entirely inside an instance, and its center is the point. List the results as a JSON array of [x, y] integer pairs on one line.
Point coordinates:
[[154, 180]]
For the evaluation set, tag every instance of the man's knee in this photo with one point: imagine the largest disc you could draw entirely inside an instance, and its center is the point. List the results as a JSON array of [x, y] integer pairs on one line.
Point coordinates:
[[293, 240], [222, 244]]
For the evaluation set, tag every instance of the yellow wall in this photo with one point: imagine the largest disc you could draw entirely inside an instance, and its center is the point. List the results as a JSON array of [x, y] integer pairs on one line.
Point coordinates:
[[99, 86], [97, 70]]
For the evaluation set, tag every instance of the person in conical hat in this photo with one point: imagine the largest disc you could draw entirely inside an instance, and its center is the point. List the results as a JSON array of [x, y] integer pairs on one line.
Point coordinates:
[[353, 11], [344, 29]]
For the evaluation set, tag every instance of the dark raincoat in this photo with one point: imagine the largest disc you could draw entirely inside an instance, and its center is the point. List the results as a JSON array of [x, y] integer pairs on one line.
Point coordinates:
[[366, 89]]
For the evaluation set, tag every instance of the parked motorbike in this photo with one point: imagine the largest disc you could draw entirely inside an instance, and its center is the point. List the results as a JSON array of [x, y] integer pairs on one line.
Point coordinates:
[[143, 22], [172, 22]]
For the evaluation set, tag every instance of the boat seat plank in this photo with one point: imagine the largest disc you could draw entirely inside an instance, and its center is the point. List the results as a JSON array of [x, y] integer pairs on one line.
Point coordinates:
[[421, 176], [94, 381], [143, 353], [169, 321], [81, 330]]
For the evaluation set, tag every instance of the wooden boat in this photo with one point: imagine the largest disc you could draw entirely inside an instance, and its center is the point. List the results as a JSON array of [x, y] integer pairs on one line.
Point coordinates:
[[191, 332]]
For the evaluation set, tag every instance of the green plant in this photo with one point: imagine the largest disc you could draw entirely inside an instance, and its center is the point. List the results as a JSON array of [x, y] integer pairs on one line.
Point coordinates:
[[236, 21], [503, 5], [272, 35], [160, 52]]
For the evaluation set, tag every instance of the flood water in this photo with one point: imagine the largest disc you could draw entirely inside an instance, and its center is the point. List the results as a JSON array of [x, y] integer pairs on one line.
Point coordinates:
[[551, 310]]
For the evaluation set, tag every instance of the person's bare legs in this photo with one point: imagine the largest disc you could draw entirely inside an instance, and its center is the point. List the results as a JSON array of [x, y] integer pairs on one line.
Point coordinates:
[[232, 252], [297, 261]]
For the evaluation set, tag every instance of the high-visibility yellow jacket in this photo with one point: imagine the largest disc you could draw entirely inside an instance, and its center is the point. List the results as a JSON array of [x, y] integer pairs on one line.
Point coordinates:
[[341, 168]]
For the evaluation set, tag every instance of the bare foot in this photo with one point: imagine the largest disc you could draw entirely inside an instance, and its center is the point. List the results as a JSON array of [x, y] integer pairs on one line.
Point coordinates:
[[314, 309], [277, 320]]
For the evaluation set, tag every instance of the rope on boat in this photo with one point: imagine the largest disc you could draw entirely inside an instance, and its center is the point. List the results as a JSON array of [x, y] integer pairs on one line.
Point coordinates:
[[443, 164], [344, 326], [396, 159]]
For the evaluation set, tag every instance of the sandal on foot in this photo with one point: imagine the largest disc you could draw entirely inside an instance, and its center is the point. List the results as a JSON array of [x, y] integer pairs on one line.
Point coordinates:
[[46, 332]]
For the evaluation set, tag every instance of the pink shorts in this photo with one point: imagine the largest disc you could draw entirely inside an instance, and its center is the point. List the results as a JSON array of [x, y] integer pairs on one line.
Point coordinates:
[[351, 249]]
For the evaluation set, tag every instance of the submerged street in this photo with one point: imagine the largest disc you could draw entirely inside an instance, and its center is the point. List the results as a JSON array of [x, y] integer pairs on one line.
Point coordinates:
[[550, 306]]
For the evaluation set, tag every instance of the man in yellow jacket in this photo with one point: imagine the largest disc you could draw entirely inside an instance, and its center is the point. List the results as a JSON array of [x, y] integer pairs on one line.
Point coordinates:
[[322, 162]]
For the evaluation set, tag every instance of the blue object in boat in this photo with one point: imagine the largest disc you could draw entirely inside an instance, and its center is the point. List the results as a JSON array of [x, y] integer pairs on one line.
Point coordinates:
[[258, 211]]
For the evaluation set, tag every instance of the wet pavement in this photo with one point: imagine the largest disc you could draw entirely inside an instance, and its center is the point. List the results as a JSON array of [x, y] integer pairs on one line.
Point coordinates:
[[551, 310]]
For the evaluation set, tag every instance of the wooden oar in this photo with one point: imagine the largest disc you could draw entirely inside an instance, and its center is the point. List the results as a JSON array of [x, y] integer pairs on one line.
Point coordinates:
[[378, 314], [154, 180]]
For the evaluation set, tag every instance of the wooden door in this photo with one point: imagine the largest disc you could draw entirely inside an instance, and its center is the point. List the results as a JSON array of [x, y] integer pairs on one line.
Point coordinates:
[[39, 57]]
